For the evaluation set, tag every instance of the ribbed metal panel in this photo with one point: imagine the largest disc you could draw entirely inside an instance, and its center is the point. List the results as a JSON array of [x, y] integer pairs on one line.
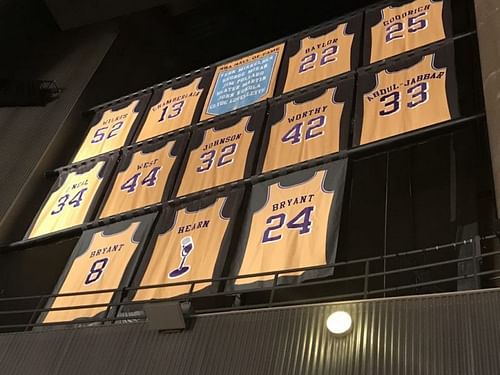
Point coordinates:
[[442, 334]]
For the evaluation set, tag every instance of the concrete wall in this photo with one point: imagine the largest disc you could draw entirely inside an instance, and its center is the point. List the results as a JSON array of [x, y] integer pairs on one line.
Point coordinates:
[[33, 135], [488, 29]]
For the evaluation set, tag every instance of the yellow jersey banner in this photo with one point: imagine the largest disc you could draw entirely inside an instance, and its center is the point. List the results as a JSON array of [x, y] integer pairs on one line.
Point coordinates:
[[321, 53], [145, 176], [291, 222], [394, 29], [222, 151], [243, 81], [74, 198], [307, 125], [189, 243], [104, 258], [407, 95], [112, 127], [175, 105]]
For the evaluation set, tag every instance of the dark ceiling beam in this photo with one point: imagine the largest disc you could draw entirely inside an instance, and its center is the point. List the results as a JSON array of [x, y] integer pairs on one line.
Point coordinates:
[[74, 13]]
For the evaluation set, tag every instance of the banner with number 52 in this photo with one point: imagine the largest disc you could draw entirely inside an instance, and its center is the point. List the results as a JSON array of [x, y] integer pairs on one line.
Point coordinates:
[[291, 222], [112, 127]]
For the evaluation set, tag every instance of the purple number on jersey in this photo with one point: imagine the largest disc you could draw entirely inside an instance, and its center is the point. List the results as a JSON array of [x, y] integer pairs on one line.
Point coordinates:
[[302, 221]]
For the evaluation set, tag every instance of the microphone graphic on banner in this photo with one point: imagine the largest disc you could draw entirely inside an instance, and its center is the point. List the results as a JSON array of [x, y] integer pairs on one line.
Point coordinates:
[[187, 245]]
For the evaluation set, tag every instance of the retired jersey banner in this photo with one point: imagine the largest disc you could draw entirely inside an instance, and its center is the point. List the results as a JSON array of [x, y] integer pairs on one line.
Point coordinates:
[[243, 82], [308, 125], [104, 258], [291, 222], [175, 105], [221, 152], [393, 27], [406, 95], [320, 53], [74, 198], [112, 127], [190, 242], [145, 176]]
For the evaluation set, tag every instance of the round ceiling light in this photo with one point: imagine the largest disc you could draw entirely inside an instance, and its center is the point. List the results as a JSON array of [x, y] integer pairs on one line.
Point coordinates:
[[339, 323]]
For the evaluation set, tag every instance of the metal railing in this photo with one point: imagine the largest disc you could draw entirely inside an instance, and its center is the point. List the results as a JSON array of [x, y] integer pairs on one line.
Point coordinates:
[[352, 279]]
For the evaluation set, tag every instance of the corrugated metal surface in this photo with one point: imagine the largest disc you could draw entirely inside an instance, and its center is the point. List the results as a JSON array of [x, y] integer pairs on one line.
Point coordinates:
[[442, 334]]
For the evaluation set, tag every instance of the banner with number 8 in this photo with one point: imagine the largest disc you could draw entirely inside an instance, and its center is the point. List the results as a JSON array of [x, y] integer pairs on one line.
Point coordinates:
[[104, 258]]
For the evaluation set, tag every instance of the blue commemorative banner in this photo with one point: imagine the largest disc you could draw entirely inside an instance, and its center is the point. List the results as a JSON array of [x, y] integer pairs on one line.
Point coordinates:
[[243, 82]]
